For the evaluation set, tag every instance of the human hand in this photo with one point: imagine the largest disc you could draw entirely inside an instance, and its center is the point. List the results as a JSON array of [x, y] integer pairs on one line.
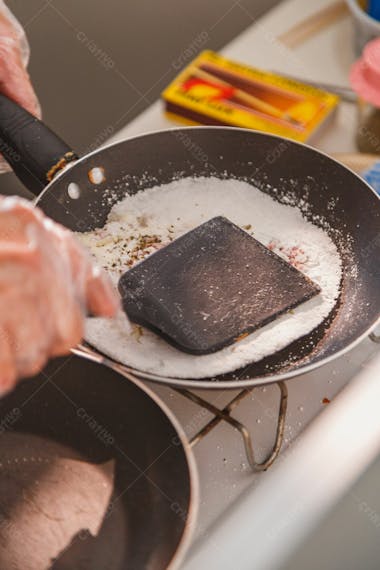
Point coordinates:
[[47, 285], [14, 78]]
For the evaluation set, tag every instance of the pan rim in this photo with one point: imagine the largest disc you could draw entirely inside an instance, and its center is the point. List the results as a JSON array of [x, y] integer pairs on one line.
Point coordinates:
[[192, 514], [108, 146], [200, 384], [234, 384]]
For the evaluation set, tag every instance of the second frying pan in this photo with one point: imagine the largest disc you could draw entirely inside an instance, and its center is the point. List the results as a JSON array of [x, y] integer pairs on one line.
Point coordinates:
[[95, 473], [288, 171]]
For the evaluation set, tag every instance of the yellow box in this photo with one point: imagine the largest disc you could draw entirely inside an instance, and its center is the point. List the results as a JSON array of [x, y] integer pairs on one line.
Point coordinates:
[[213, 90]]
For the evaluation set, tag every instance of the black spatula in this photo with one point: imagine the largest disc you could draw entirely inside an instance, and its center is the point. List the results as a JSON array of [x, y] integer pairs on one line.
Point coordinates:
[[211, 286]]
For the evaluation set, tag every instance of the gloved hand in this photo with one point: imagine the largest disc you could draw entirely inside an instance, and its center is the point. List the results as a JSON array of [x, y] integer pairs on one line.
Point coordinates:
[[14, 78], [47, 284], [14, 56]]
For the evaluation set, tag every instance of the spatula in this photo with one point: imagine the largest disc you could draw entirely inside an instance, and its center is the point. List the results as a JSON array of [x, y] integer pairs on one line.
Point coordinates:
[[211, 287]]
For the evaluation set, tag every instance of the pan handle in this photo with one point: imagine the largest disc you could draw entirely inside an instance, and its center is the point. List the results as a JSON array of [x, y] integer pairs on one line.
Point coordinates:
[[34, 152]]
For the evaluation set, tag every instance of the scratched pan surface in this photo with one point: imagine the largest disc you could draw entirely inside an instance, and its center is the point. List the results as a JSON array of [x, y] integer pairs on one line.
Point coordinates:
[[94, 474], [333, 195]]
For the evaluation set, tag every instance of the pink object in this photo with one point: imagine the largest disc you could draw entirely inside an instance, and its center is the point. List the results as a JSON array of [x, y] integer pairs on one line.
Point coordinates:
[[365, 73]]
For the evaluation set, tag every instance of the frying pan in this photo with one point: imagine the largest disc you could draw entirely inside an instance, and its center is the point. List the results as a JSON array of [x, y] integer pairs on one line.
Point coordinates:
[[84, 448], [333, 197]]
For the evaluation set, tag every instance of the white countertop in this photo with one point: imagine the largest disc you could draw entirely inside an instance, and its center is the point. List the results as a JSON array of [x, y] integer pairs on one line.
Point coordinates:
[[320, 58], [224, 474]]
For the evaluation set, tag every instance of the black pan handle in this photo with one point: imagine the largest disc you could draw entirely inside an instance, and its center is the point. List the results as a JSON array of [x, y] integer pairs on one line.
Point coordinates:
[[34, 152]]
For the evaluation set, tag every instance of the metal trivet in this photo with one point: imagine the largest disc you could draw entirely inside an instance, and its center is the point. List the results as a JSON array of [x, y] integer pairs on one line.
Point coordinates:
[[224, 414], [220, 414]]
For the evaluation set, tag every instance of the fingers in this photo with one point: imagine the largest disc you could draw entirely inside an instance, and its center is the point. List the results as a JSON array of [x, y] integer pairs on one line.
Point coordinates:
[[69, 329], [17, 218], [27, 330], [8, 371], [18, 87], [14, 79], [15, 253], [61, 302], [48, 284], [93, 285], [33, 334], [102, 299]]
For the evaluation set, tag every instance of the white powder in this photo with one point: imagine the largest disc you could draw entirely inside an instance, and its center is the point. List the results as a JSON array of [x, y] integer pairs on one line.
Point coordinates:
[[141, 223]]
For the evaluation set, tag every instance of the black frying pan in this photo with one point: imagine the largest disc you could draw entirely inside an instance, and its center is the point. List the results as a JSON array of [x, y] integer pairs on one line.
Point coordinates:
[[94, 474], [282, 168]]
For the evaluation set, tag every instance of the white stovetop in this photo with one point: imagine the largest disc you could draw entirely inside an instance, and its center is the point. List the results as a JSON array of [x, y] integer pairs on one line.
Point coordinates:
[[223, 469]]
